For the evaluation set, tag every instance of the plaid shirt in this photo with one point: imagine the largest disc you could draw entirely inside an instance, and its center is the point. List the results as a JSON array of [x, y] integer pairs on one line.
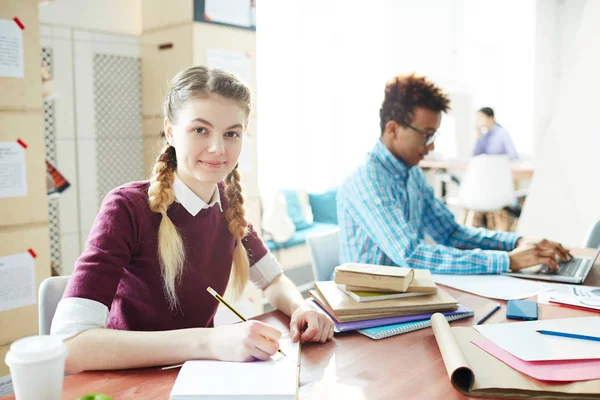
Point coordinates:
[[385, 210]]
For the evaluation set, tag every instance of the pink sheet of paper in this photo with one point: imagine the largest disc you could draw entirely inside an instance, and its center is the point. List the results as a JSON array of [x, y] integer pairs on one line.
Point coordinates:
[[557, 371]]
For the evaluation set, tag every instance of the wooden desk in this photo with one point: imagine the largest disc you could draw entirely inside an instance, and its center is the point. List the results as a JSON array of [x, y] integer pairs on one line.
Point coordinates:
[[520, 170], [350, 367]]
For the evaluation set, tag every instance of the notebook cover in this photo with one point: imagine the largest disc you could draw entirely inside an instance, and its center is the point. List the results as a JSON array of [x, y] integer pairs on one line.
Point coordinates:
[[370, 323], [385, 331], [422, 282], [364, 296], [353, 317], [342, 304], [373, 269], [371, 275]]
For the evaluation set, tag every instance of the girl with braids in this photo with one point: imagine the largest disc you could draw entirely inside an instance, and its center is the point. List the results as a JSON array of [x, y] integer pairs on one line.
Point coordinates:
[[137, 296]]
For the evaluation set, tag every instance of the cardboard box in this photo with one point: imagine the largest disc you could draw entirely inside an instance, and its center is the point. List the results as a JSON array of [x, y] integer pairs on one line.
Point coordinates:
[[4, 371], [164, 53], [23, 321], [26, 92], [156, 14], [33, 208], [217, 37]]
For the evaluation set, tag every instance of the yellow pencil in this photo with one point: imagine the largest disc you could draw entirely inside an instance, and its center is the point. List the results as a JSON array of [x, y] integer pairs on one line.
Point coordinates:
[[233, 310]]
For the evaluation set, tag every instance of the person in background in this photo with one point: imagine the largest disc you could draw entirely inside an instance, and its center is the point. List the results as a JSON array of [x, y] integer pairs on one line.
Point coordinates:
[[492, 137], [386, 207], [137, 297]]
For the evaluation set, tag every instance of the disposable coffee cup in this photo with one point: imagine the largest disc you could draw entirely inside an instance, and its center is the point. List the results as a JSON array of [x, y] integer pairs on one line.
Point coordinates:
[[37, 367]]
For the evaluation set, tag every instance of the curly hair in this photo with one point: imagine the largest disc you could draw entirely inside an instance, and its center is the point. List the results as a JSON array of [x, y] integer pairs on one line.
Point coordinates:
[[404, 93]]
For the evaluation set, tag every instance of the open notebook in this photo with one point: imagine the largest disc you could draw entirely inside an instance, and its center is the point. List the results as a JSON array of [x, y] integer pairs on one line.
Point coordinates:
[[276, 379]]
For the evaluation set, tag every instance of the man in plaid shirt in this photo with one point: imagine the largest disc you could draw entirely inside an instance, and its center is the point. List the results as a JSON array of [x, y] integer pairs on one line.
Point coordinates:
[[386, 207]]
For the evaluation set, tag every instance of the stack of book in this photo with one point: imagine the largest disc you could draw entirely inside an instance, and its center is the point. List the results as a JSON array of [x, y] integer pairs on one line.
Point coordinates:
[[365, 296], [367, 282]]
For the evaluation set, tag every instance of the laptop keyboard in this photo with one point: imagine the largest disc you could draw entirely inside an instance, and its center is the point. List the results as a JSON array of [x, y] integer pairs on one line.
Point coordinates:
[[569, 268]]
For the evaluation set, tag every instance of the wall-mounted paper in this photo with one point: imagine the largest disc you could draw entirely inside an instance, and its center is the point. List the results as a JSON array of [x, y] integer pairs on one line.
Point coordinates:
[[11, 49], [236, 62], [17, 281], [13, 174], [233, 12], [6, 386]]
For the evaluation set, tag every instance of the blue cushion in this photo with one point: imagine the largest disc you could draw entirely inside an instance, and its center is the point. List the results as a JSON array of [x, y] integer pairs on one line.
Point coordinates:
[[324, 207], [300, 236], [294, 209]]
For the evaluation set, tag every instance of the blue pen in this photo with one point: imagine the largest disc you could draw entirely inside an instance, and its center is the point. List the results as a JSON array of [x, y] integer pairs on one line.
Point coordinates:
[[486, 316], [569, 335]]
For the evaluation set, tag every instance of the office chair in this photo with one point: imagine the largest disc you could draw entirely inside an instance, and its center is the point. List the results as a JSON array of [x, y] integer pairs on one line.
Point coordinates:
[[487, 186], [50, 292], [592, 240], [324, 254]]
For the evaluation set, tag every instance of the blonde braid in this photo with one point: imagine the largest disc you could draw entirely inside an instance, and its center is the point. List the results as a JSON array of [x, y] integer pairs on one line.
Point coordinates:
[[171, 253], [238, 226]]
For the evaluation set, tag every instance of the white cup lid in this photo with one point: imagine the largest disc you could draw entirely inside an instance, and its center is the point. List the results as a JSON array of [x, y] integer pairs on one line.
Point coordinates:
[[35, 349]]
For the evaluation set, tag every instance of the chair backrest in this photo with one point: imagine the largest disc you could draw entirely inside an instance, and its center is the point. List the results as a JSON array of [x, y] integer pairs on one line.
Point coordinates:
[[592, 239], [50, 293], [324, 253], [487, 184]]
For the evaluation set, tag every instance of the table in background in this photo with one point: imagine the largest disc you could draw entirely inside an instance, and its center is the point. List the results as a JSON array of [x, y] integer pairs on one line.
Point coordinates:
[[351, 367], [520, 170]]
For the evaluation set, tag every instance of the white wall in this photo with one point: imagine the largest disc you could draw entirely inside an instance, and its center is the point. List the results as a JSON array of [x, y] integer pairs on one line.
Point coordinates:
[[322, 75], [116, 16], [564, 198], [557, 23]]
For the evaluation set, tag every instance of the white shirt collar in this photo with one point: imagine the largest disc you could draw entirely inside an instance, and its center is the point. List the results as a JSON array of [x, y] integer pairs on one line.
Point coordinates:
[[190, 201]]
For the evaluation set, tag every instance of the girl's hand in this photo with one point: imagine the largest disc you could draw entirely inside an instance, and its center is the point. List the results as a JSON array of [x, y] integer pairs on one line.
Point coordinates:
[[317, 326], [245, 341]]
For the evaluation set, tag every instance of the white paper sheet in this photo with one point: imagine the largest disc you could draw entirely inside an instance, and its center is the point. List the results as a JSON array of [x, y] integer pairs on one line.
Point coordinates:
[[274, 379], [234, 12], [492, 286], [236, 62], [13, 174], [578, 295], [521, 339], [11, 49], [17, 281]]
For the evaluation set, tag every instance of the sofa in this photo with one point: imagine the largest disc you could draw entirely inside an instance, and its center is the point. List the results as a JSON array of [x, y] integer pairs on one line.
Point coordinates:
[[293, 254]]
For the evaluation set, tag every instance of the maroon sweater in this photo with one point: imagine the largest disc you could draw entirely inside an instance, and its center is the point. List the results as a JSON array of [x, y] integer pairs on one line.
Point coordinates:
[[119, 266]]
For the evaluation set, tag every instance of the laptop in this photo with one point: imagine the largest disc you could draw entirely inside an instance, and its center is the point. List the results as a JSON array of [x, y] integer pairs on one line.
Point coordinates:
[[574, 271]]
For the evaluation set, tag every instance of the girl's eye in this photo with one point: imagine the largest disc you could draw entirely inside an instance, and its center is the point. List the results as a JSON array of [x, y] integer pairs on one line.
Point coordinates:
[[200, 130], [232, 134]]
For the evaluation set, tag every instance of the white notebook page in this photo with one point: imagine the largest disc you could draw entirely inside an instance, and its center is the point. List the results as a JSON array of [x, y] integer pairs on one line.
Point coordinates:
[[273, 379]]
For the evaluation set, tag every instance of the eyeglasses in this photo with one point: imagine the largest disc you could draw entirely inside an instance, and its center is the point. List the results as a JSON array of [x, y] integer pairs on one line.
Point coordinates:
[[429, 138]]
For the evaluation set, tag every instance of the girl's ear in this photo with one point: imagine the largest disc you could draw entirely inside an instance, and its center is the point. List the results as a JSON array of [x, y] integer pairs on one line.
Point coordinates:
[[168, 129]]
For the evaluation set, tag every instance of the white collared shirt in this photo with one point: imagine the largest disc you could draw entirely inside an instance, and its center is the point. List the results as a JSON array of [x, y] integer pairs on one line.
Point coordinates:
[[190, 201], [75, 314]]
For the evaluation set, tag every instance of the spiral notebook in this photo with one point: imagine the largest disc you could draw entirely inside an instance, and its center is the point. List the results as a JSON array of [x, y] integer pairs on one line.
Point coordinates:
[[385, 331]]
